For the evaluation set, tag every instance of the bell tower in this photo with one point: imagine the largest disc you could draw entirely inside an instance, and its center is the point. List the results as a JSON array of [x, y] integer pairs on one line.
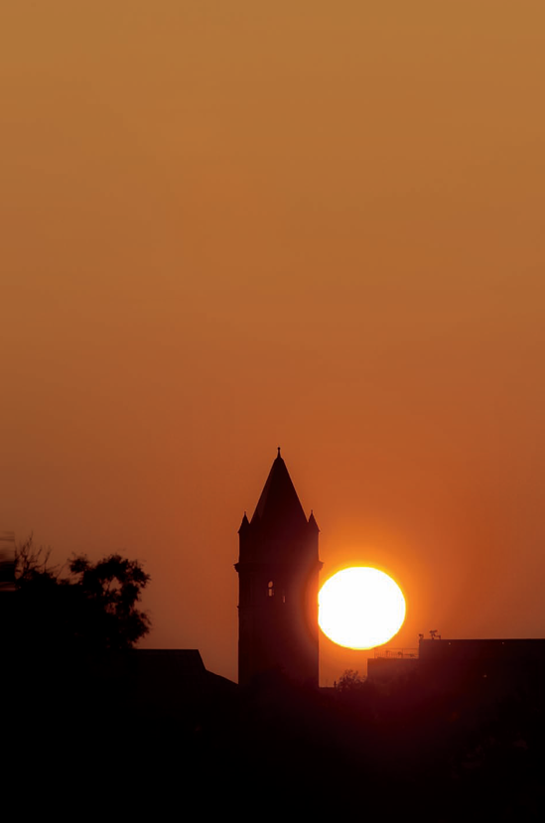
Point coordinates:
[[278, 585]]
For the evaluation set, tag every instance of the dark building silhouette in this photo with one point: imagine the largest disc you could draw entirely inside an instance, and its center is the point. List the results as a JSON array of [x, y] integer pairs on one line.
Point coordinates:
[[278, 585], [172, 684], [484, 669], [478, 672]]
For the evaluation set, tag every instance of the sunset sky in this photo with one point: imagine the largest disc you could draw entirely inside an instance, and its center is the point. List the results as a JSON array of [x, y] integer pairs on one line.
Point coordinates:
[[228, 225]]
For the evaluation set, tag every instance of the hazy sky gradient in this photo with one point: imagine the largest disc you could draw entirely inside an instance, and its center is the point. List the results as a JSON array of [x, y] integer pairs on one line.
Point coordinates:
[[228, 226]]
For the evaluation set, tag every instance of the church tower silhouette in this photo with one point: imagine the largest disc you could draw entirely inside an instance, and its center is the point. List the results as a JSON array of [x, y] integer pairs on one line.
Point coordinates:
[[278, 585]]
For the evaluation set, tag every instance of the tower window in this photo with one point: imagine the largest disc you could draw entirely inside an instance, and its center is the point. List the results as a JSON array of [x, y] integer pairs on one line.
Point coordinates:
[[270, 588]]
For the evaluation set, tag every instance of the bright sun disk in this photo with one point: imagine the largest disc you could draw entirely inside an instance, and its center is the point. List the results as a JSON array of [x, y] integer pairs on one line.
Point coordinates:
[[360, 608]]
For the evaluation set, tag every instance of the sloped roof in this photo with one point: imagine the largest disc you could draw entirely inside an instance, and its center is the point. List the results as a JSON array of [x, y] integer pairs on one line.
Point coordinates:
[[279, 504], [175, 680]]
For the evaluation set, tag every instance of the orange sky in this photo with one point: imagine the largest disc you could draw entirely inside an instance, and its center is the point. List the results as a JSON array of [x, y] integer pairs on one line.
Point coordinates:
[[231, 226]]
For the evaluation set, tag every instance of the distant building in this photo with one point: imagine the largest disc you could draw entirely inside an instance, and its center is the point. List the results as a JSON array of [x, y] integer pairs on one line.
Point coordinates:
[[476, 672], [486, 668], [7, 561], [170, 683], [392, 665], [278, 585]]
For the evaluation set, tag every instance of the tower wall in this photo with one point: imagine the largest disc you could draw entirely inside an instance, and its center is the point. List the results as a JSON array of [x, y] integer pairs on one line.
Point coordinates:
[[278, 572]]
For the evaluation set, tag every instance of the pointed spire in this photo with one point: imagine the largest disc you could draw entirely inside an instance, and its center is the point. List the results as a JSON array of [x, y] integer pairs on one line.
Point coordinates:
[[245, 523], [279, 506], [312, 521]]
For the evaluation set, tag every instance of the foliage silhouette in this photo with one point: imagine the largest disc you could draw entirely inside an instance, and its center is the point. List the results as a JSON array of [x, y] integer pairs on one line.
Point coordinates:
[[349, 681], [93, 608]]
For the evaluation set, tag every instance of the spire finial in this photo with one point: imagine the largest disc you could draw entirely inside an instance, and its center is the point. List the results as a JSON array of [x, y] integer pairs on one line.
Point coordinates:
[[278, 451]]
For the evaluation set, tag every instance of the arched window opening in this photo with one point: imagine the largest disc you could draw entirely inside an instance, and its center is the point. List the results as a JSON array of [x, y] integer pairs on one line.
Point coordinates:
[[270, 588]]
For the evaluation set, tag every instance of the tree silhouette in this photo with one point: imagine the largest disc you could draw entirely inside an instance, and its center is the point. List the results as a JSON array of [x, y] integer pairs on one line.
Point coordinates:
[[111, 590], [350, 681], [93, 608]]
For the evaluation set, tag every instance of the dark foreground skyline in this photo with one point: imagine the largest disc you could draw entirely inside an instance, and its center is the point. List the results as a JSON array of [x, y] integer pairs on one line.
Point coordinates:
[[442, 745], [462, 722]]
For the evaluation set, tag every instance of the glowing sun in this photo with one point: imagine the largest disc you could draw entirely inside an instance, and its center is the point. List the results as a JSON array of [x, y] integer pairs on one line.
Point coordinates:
[[360, 607]]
